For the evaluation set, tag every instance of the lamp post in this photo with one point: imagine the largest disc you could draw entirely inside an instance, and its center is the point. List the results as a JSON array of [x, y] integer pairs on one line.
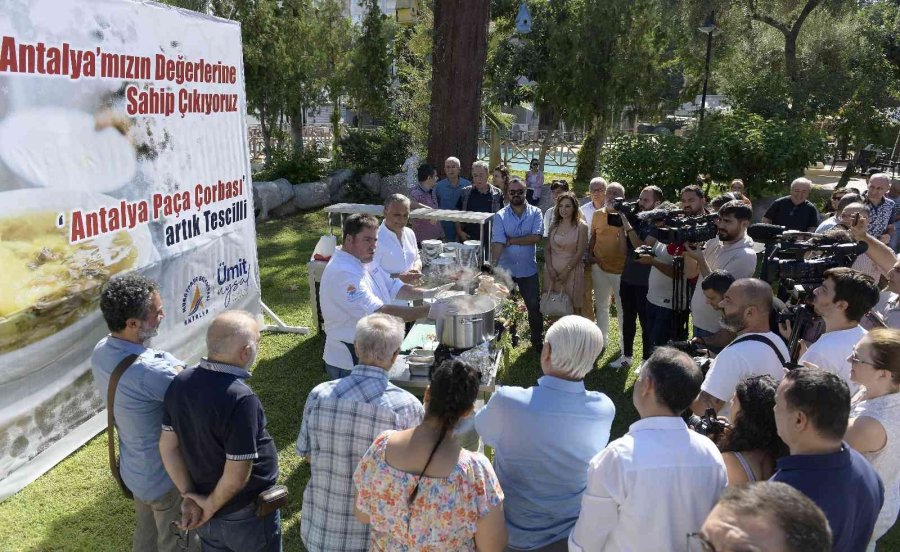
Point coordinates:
[[710, 30]]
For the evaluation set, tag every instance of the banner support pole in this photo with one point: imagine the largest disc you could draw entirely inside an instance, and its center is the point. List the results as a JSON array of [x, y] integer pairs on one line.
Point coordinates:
[[280, 326]]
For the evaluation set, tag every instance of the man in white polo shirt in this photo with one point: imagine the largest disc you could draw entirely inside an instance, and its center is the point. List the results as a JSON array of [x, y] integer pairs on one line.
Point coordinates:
[[353, 287], [731, 250]]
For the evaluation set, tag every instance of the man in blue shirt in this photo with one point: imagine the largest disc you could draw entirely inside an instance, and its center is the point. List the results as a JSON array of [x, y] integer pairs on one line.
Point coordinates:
[[133, 311], [448, 191], [566, 424], [517, 229], [812, 408], [215, 444]]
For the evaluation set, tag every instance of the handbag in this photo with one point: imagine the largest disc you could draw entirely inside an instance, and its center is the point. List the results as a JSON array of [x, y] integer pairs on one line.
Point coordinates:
[[556, 304], [111, 422], [271, 499]]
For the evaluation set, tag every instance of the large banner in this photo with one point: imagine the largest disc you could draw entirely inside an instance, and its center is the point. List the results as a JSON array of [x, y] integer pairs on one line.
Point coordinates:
[[123, 147]]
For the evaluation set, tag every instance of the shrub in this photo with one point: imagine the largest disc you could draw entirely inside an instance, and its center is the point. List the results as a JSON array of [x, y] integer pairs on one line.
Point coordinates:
[[381, 150], [765, 153], [297, 167]]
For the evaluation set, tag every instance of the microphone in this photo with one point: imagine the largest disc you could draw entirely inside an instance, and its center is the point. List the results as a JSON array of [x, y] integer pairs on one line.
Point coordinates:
[[765, 233], [658, 214], [856, 248]]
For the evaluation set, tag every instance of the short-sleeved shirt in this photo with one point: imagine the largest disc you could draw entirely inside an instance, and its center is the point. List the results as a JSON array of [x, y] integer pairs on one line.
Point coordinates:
[[425, 229], [880, 216], [341, 419], [350, 291], [445, 513], [565, 422], [739, 259], [831, 350], [739, 361], [889, 308], [607, 243], [138, 410], [588, 210], [844, 485], [217, 417], [447, 194], [519, 260], [396, 256], [660, 290], [784, 212]]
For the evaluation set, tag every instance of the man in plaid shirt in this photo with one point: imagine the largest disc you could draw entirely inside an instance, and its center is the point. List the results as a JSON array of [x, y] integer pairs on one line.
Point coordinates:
[[340, 420]]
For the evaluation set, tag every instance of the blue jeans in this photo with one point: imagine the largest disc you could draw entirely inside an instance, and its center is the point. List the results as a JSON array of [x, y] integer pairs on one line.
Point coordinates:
[[659, 325], [242, 531], [336, 373]]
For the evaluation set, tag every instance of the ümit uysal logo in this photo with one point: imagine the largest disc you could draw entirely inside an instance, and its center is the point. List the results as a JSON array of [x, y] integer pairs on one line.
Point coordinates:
[[195, 301], [233, 280]]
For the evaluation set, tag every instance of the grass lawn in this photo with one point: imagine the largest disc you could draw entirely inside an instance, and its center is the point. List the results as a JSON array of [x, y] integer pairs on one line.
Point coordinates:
[[77, 506]]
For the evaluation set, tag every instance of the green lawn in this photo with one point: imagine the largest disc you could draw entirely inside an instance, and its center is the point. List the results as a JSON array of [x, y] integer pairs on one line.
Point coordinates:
[[77, 506]]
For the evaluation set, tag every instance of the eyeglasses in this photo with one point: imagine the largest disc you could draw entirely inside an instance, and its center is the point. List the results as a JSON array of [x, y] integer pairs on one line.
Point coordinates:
[[854, 359], [698, 543], [516, 192]]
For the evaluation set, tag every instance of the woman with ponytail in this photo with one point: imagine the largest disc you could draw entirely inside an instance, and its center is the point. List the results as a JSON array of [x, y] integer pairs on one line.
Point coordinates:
[[419, 490]]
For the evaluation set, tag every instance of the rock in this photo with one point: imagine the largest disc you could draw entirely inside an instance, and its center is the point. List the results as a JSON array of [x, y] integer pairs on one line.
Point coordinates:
[[372, 182], [286, 189], [284, 210], [265, 198], [394, 184], [337, 181], [311, 195]]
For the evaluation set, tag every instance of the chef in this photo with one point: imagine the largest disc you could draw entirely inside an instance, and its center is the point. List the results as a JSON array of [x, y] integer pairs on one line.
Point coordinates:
[[353, 287], [397, 252]]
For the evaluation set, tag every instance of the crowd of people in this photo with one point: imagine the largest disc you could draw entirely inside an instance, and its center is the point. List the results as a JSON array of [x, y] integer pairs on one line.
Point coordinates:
[[745, 451]]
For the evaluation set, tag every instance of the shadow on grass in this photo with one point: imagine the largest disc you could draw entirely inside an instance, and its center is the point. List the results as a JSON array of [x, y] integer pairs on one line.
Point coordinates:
[[87, 528]]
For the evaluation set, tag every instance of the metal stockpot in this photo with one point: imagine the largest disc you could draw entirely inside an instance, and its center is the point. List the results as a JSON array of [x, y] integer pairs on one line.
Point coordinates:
[[473, 323]]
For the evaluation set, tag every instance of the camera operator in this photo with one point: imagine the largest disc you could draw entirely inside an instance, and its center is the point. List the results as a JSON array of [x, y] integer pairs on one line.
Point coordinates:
[[660, 285], [755, 351], [635, 279], [731, 250], [844, 297], [883, 256]]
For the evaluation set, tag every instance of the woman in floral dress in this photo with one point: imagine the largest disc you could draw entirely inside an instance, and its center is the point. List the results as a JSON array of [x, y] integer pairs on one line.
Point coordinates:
[[419, 490]]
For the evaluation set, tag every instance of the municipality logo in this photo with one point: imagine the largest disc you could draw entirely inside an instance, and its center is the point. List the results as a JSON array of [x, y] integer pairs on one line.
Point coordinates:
[[195, 300]]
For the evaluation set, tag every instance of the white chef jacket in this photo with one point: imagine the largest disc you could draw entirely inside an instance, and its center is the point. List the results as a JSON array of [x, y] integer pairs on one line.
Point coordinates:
[[350, 290], [393, 255]]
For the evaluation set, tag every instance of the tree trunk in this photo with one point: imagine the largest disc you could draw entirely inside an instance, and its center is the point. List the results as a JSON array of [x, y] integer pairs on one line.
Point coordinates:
[[297, 130], [266, 136], [495, 146], [458, 59], [790, 56], [548, 121], [335, 126]]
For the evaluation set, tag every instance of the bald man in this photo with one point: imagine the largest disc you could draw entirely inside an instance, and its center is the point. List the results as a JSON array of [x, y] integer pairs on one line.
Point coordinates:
[[794, 211], [215, 445], [755, 351]]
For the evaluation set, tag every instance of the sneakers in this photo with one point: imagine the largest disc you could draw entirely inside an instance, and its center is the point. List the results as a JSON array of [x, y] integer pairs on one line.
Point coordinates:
[[620, 362]]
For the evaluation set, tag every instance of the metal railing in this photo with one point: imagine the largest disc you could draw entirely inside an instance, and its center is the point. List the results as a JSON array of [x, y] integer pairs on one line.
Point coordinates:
[[519, 147], [319, 135]]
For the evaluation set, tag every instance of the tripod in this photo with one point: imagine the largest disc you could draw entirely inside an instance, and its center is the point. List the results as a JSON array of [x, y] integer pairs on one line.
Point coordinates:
[[680, 311]]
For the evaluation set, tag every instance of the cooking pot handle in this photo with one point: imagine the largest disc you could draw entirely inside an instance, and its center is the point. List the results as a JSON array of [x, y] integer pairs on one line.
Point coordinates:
[[471, 320]]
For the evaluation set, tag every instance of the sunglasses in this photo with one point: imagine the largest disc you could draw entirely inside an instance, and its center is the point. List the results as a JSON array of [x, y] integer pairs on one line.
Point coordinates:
[[854, 359], [516, 192]]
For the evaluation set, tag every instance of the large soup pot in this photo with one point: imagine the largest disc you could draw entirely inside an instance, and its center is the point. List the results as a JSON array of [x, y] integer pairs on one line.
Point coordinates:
[[472, 324]]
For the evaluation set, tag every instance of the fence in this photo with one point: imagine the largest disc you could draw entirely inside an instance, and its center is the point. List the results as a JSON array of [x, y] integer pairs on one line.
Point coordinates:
[[319, 135], [519, 147]]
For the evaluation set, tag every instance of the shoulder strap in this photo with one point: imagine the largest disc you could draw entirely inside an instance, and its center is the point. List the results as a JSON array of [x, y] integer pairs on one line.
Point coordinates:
[[111, 421], [746, 466], [761, 339]]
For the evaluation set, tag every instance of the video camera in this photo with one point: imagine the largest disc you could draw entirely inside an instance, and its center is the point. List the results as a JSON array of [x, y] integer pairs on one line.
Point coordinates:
[[627, 209], [698, 353], [709, 424], [787, 256], [643, 250], [684, 229]]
